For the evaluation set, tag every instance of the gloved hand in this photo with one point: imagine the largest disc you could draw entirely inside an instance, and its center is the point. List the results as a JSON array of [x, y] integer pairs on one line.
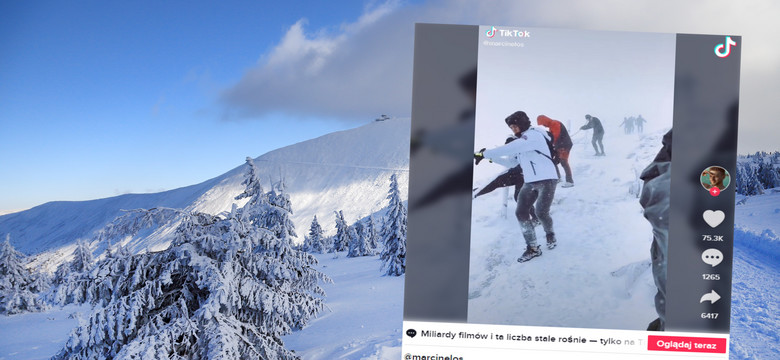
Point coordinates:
[[478, 156]]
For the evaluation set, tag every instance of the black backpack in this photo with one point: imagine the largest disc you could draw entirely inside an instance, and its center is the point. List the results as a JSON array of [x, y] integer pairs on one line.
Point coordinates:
[[555, 158], [564, 140]]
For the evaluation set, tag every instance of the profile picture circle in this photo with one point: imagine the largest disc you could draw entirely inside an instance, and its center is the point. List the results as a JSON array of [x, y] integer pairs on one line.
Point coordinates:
[[715, 176]]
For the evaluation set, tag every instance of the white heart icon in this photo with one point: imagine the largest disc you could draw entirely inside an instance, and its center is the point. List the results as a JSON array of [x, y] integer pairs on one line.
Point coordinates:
[[714, 218]]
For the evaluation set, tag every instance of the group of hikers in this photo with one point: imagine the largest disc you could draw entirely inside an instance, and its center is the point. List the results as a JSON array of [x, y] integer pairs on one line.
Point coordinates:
[[532, 156], [630, 122]]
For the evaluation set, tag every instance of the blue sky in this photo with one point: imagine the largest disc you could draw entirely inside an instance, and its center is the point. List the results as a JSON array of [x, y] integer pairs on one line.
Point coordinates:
[[100, 98]]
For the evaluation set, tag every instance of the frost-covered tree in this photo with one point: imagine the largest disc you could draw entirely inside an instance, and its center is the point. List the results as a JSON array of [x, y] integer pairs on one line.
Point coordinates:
[[82, 258], [372, 235], [329, 241], [41, 282], [117, 251], [61, 274], [131, 222], [747, 181], [72, 278], [342, 239], [394, 233], [277, 215], [19, 287], [353, 248], [758, 172], [82, 261], [226, 288], [359, 244], [767, 174], [315, 242]]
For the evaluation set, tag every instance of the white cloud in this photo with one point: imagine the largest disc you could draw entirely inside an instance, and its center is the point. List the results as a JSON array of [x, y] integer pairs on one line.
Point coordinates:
[[365, 68], [339, 74], [296, 49]]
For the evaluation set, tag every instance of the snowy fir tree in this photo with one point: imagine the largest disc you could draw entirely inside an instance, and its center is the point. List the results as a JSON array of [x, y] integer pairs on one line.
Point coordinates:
[[342, 239], [757, 172], [767, 174], [329, 241], [277, 216], [82, 258], [129, 224], [132, 222], [41, 282], [72, 278], [19, 287], [371, 234], [226, 288], [61, 274], [315, 241], [359, 244], [394, 233], [353, 248], [747, 180]]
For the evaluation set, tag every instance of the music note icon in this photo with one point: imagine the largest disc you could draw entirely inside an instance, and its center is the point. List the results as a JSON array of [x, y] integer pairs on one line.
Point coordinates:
[[724, 50]]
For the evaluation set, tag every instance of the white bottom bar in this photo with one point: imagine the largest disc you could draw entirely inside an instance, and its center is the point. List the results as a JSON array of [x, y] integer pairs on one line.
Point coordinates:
[[460, 341]]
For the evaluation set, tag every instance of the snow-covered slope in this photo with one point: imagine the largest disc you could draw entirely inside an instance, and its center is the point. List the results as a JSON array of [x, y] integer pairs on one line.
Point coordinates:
[[331, 172], [364, 315], [599, 275], [755, 303]]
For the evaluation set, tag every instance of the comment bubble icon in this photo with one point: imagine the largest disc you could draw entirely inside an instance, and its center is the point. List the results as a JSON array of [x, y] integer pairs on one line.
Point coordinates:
[[411, 332], [712, 257]]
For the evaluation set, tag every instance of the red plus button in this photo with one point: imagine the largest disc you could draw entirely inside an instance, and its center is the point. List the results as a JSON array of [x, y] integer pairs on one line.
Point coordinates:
[[686, 344], [714, 191]]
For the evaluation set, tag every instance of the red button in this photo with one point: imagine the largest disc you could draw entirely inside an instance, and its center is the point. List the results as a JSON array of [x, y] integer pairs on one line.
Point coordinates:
[[714, 191], [686, 344]]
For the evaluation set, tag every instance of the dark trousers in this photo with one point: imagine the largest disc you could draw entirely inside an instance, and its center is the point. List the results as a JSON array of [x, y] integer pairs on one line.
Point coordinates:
[[563, 155], [597, 140], [512, 177], [567, 170], [540, 193]]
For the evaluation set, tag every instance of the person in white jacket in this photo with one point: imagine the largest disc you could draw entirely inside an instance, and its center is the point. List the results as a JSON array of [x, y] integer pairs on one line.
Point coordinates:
[[531, 151]]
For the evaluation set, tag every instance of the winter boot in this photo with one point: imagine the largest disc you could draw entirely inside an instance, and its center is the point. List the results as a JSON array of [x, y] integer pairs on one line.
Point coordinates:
[[530, 253], [551, 242]]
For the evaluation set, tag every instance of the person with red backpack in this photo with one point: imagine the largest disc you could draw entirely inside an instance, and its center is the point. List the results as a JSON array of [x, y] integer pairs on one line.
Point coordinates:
[[562, 144]]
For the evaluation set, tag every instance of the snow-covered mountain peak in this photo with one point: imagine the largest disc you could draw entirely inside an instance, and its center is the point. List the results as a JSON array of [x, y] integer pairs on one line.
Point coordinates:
[[347, 170]]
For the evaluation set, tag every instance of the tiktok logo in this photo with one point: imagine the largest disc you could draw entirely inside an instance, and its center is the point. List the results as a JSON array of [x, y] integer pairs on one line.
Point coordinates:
[[492, 32], [724, 50]]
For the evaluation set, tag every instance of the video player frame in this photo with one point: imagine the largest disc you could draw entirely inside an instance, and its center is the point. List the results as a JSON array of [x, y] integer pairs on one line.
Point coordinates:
[[599, 273], [649, 269]]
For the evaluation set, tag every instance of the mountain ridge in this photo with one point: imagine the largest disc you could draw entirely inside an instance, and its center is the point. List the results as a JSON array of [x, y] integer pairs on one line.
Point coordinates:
[[325, 174]]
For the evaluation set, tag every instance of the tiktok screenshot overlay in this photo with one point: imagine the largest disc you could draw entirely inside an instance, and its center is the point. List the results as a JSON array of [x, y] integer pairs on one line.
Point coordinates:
[[545, 211]]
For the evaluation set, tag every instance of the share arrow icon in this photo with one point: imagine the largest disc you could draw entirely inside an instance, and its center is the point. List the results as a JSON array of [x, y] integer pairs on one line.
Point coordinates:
[[712, 297]]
